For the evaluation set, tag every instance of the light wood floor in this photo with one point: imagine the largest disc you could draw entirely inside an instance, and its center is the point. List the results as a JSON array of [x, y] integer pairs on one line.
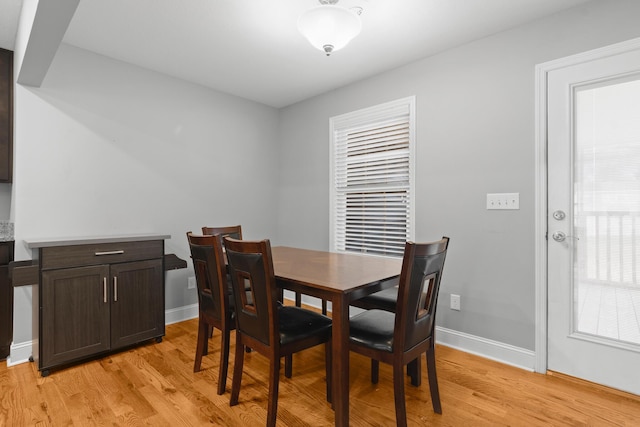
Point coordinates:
[[153, 384]]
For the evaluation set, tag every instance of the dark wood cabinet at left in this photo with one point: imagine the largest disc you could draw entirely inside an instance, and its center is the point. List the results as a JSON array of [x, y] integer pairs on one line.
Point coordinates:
[[6, 299], [6, 115], [96, 298]]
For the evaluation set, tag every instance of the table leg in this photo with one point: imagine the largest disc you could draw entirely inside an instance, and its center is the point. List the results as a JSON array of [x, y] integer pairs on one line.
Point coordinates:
[[340, 316]]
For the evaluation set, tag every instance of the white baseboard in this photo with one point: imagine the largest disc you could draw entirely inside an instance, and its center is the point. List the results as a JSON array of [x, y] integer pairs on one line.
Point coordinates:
[[180, 314], [490, 349], [494, 350], [19, 353]]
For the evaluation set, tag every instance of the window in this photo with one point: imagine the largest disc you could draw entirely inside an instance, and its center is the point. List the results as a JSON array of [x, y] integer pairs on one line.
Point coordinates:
[[372, 179]]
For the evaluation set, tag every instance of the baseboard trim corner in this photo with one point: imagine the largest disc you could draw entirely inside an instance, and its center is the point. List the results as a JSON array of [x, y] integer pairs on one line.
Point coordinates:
[[490, 349], [180, 314], [19, 353]]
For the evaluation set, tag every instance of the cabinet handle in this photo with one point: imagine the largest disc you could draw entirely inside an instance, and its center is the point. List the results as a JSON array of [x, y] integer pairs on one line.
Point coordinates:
[[115, 288], [104, 289], [120, 252]]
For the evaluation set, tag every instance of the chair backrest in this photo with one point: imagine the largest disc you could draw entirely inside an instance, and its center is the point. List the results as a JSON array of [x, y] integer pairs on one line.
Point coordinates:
[[209, 267], [234, 231], [418, 289], [254, 289]]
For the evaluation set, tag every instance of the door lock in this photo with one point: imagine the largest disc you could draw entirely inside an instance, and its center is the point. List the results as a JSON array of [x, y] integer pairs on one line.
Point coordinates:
[[559, 215]]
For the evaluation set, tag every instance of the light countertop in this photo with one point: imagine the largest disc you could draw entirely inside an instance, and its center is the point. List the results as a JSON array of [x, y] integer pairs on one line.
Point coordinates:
[[91, 240]]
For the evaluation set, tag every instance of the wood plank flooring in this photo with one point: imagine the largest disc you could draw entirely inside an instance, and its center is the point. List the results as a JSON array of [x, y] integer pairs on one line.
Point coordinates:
[[609, 310], [154, 385]]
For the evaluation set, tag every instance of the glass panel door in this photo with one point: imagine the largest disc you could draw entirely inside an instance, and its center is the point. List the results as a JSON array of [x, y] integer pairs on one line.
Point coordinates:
[[593, 219], [607, 210]]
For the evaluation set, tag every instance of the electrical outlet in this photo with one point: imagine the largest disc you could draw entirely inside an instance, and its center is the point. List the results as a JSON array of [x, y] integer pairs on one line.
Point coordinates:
[[455, 302], [191, 282]]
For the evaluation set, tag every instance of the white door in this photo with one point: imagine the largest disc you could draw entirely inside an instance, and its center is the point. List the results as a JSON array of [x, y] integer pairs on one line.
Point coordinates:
[[593, 200]]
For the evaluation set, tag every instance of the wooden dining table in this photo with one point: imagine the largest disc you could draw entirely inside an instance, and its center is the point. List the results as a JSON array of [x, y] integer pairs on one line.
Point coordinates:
[[339, 278]]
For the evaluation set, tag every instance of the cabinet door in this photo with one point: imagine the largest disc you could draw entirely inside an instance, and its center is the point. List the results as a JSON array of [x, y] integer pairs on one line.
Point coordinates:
[[6, 115], [6, 312], [74, 314], [6, 300], [137, 308]]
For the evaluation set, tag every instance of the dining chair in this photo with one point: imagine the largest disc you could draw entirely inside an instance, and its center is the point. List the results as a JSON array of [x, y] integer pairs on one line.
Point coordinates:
[[215, 303], [387, 300], [235, 231], [264, 324], [400, 337]]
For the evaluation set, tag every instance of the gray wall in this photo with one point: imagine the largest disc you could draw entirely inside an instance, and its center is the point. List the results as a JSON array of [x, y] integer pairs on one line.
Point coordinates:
[[103, 147], [475, 132], [5, 201]]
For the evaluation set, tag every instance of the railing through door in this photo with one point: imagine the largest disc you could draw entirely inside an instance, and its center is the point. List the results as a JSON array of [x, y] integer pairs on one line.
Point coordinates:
[[609, 247]]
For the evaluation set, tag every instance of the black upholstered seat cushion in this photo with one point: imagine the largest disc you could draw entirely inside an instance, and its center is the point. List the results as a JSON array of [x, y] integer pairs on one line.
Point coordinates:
[[384, 300], [298, 323], [373, 328]]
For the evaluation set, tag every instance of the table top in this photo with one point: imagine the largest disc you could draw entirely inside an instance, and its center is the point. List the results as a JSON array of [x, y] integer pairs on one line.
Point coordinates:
[[330, 270]]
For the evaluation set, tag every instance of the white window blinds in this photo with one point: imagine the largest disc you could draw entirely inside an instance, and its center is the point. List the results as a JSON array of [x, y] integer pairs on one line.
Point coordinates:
[[372, 170]]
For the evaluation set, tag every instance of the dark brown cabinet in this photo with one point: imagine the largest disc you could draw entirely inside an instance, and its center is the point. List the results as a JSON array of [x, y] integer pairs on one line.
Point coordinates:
[[6, 115], [96, 298], [74, 315], [6, 299], [136, 282]]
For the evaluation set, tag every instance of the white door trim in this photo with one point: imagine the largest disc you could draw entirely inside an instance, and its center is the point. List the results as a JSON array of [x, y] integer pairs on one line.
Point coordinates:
[[542, 70]]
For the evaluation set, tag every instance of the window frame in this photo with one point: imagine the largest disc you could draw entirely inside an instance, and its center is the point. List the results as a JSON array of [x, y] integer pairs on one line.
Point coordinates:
[[370, 117]]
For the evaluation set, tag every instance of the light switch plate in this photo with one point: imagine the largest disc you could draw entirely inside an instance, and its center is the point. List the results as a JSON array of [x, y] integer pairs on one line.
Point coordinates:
[[509, 201]]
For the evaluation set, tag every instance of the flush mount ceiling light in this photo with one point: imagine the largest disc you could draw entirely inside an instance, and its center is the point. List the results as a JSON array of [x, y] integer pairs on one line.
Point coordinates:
[[329, 27]]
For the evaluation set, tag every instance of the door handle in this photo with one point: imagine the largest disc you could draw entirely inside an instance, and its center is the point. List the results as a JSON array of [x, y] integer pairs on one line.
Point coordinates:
[[115, 288], [120, 252], [559, 236], [104, 289]]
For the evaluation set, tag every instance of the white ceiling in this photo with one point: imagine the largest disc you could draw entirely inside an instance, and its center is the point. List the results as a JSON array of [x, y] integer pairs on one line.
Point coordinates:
[[252, 49]]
